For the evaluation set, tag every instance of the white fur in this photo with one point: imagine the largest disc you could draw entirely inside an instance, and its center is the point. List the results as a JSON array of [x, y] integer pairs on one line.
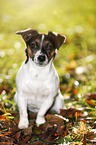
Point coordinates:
[[42, 39], [37, 88]]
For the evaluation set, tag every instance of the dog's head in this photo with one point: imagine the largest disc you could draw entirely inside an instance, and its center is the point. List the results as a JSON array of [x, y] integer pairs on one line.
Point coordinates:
[[41, 48]]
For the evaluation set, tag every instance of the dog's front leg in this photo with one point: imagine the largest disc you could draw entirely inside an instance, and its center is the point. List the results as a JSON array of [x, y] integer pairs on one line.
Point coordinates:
[[22, 104], [42, 111]]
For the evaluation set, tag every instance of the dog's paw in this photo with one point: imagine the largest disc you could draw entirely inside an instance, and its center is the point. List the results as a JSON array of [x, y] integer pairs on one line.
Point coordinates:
[[40, 120], [23, 123]]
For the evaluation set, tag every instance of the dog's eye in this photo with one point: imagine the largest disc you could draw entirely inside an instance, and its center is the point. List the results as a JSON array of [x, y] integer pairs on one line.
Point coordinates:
[[50, 47], [33, 45]]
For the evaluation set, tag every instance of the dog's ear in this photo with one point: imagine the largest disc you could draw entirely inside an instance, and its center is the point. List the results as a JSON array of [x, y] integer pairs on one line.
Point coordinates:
[[27, 34], [57, 38]]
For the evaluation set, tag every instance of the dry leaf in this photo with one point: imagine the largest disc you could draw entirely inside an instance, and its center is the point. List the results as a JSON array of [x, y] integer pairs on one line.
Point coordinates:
[[70, 112]]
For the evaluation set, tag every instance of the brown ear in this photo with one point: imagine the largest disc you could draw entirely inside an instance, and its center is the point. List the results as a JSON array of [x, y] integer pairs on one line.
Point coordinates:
[[58, 39], [27, 34]]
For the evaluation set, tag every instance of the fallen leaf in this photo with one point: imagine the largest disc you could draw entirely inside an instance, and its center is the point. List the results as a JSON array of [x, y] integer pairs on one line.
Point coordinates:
[[38, 143], [91, 102], [75, 91], [54, 120], [5, 88], [91, 99], [85, 140], [90, 96], [2, 117], [70, 112], [90, 135]]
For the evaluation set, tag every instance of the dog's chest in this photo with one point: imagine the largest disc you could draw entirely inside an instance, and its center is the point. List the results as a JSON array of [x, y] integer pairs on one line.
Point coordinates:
[[38, 88], [37, 82], [37, 85]]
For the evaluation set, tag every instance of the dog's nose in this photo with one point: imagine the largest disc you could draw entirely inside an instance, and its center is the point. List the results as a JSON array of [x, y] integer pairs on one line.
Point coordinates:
[[41, 58]]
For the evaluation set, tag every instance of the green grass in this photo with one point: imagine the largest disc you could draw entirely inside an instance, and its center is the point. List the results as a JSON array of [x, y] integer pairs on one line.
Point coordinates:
[[74, 19]]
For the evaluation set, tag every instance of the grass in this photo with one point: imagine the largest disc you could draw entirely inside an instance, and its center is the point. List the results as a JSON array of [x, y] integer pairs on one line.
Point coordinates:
[[75, 61]]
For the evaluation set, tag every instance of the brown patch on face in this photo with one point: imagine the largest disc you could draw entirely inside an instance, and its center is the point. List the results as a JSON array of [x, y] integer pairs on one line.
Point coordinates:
[[46, 42], [52, 54], [38, 41], [29, 52], [49, 47]]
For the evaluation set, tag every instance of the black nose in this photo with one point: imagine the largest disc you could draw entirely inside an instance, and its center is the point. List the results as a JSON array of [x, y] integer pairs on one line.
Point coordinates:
[[41, 58]]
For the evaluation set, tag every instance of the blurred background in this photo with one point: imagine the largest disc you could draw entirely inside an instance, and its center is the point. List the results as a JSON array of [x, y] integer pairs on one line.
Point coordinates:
[[76, 59]]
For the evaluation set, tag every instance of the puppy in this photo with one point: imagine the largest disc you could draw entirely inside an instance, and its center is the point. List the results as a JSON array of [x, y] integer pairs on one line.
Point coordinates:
[[37, 81]]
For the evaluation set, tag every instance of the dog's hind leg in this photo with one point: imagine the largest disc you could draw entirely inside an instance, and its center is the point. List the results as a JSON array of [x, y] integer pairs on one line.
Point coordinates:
[[59, 103]]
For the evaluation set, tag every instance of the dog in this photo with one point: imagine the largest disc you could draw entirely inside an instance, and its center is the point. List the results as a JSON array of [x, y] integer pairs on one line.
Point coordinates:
[[37, 81]]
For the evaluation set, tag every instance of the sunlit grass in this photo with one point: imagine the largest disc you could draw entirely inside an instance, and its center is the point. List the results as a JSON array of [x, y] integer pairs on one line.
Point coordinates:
[[75, 20]]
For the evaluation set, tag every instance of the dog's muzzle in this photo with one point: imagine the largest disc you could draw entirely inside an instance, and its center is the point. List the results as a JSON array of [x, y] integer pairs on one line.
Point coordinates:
[[40, 58]]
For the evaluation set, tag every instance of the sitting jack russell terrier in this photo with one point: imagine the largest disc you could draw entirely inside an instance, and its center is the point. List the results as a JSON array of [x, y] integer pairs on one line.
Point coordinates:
[[37, 81]]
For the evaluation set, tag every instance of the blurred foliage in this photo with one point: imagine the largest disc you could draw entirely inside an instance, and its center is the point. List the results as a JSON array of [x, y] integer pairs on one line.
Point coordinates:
[[74, 19], [76, 59]]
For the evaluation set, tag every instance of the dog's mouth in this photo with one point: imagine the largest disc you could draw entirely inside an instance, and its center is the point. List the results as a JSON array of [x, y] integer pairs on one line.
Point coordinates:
[[41, 64]]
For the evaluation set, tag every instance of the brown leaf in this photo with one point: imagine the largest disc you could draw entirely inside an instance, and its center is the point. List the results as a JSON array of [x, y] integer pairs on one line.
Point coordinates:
[[6, 88], [37, 143], [14, 113], [70, 112], [2, 117], [6, 143], [49, 134], [90, 102], [62, 131], [27, 138], [10, 125], [52, 119], [17, 135], [16, 120], [4, 140], [85, 140], [75, 91], [54, 128], [28, 130], [5, 134], [90, 135], [91, 96]]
